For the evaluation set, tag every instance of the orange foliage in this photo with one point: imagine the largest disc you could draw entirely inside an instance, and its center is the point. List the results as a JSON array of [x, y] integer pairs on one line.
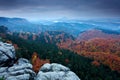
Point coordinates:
[[91, 34], [96, 63], [105, 51], [111, 46], [37, 62], [9, 42], [110, 60]]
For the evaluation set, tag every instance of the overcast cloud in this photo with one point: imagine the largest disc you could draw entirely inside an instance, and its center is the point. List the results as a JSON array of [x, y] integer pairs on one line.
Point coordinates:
[[51, 9]]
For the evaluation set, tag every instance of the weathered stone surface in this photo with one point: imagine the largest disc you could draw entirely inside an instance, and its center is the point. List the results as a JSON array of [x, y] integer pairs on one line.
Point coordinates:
[[55, 72], [19, 77], [7, 54], [22, 70]]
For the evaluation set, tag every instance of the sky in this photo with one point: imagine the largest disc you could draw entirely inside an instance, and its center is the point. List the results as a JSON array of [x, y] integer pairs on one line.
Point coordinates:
[[55, 9]]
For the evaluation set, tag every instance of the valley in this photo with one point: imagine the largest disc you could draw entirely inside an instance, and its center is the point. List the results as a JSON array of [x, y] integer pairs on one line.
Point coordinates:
[[88, 48]]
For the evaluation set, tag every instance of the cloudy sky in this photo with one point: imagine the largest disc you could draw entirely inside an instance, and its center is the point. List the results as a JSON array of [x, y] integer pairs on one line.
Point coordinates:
[[53, 9]]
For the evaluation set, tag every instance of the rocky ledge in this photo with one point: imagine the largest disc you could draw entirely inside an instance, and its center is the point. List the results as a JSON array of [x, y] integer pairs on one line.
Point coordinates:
[[55, 71], [21, 69], [7, 54]]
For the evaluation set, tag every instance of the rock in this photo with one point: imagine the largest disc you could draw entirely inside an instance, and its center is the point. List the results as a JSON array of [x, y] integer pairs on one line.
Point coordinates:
[[7, 54], [19, 77], [22, 70], [55, 71], [9, 70]]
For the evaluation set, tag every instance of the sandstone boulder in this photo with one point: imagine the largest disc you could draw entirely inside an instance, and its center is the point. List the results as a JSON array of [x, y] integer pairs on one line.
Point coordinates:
[[7, 54], [22, 70], [55, 71]]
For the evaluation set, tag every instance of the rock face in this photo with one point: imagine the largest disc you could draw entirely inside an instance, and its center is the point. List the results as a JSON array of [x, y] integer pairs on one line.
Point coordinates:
[[7, 54], [55, 71], [9, 70], [22, 70]]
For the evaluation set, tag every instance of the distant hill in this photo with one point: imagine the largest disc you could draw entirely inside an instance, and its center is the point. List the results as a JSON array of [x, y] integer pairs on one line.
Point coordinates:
[[18, 25], [73, 27], [23, 25]]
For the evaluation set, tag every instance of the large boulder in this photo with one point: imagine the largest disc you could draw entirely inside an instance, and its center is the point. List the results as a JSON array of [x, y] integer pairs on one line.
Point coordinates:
[[55, 71], [22, 70], [7, 54]]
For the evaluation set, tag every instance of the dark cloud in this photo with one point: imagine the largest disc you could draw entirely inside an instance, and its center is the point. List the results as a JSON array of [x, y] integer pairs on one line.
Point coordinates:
[[68, 8]]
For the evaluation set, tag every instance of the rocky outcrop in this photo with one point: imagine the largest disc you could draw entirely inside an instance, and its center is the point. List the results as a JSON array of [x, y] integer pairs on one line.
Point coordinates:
[[55, 71], [9, 70], [22, 70], [7, 54]]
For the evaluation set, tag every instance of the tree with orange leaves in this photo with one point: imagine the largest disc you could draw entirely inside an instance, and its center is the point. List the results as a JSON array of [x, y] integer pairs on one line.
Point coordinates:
[[37, 62]]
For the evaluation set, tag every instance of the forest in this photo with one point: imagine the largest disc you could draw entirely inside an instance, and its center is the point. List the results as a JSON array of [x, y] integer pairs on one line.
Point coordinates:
[[86, 68]]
